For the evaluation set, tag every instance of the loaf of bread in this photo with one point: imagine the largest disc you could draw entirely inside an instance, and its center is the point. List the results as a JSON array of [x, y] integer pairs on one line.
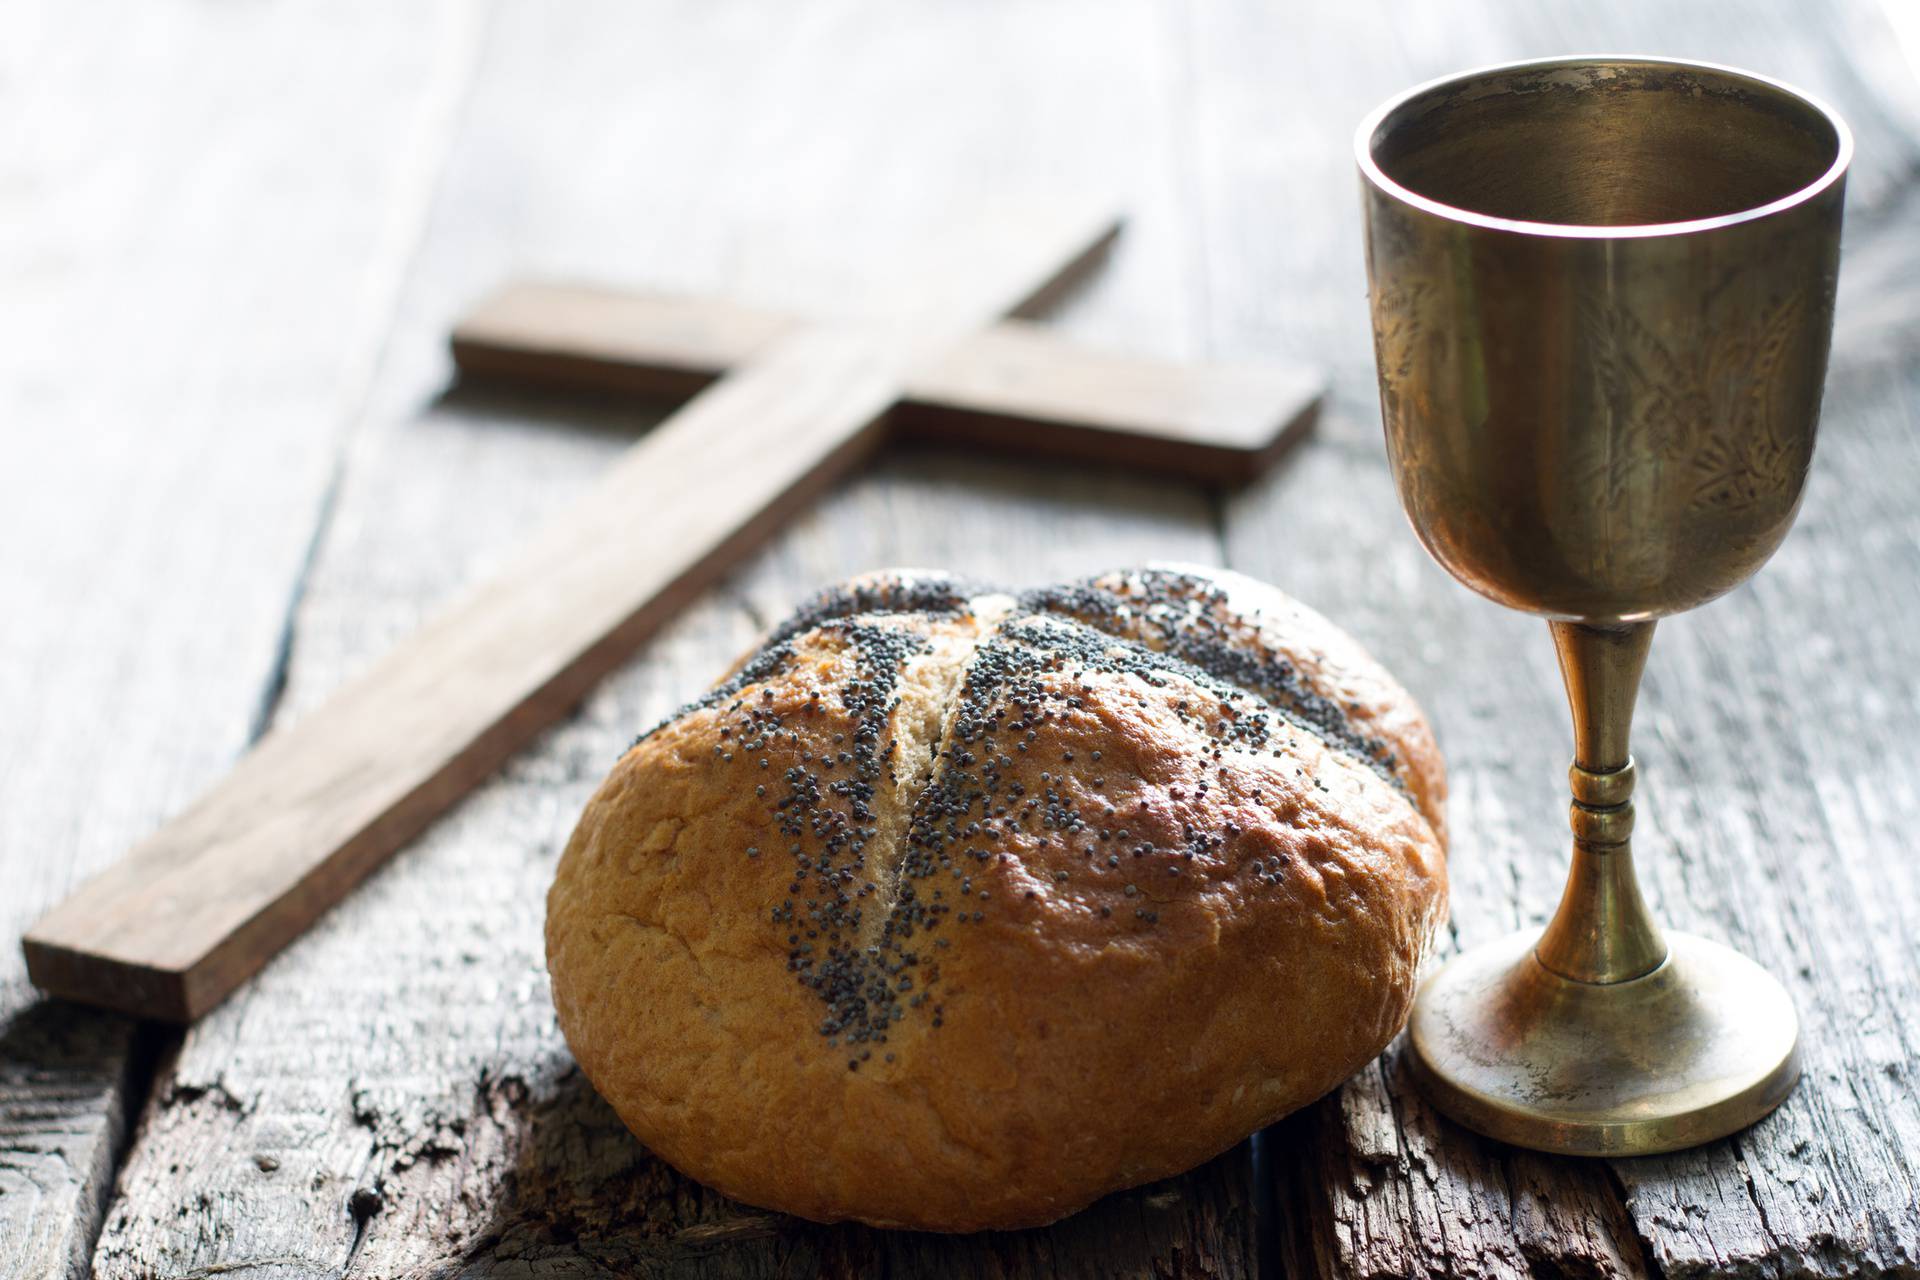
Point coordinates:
[[953, 908]]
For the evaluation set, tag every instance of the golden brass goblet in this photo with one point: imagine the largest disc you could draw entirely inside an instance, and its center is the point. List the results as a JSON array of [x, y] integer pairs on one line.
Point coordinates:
[[1602, 299]]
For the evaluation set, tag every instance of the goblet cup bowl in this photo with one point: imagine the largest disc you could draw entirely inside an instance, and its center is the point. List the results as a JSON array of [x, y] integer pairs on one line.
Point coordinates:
[[1602, 294]]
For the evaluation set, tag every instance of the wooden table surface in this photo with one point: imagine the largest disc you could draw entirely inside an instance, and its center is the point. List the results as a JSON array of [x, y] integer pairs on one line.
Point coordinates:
[[235, 471]]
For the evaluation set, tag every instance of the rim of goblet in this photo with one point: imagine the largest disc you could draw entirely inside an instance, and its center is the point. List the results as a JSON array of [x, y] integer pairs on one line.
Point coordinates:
[[1370, 168]]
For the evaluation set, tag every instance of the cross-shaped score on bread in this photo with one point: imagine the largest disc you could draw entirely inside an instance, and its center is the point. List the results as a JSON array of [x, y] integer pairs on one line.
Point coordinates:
[[791, 407], [992, 902]]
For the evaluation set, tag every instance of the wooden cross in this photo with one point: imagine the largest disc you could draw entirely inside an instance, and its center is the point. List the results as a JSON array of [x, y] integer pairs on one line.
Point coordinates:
[[784, 408]]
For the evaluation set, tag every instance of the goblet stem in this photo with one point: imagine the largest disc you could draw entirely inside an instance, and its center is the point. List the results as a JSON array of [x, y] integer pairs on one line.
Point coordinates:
[[1601, 1036], [1603, 932]]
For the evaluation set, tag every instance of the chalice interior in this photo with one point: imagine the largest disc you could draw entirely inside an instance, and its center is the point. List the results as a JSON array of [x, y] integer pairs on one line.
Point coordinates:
[[1602, 295]]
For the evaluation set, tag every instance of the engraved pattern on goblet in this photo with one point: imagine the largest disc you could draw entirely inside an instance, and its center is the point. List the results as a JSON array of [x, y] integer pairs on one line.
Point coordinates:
[[1403, 345], [1713, 407]]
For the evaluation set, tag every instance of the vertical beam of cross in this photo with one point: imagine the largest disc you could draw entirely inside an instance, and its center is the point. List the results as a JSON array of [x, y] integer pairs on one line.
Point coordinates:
[[199, 906]]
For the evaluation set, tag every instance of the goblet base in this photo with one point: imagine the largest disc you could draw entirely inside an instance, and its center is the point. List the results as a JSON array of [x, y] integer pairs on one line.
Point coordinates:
[[1703, 1046]]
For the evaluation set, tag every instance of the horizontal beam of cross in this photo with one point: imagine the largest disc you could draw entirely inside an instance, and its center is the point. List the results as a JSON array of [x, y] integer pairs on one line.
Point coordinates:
[[1013, 387]]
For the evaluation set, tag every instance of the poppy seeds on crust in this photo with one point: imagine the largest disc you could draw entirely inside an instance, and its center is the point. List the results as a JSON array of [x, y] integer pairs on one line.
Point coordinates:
[[1158, 629], [1188, 618]]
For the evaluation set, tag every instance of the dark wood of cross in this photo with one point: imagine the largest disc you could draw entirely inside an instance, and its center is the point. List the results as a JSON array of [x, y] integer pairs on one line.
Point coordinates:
[[783, 409]]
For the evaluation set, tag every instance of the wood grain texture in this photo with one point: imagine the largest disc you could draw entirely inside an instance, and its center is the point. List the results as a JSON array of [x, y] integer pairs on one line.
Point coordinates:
[[199, 906], [192, 296], [391, 1097], [1013, 387], [1779, 807]]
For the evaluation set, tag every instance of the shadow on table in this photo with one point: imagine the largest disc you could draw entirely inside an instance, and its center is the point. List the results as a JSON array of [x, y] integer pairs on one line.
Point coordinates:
[[588, 1200], [485, 403]]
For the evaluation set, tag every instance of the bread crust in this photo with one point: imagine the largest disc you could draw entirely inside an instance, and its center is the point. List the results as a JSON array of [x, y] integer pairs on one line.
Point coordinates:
[[953, 910]]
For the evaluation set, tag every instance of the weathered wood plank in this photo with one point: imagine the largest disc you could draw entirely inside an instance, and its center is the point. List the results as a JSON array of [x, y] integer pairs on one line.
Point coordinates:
[[192, 294], [1774, 730], [391, 1096]]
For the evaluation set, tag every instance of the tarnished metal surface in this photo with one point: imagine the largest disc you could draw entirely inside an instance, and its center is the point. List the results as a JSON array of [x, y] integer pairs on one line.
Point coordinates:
[[1602, 302]]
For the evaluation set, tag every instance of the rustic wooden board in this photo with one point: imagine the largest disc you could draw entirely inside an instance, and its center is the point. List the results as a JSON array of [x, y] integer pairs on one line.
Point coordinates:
[[1774, 734], [192, 294], [391, 1096]]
